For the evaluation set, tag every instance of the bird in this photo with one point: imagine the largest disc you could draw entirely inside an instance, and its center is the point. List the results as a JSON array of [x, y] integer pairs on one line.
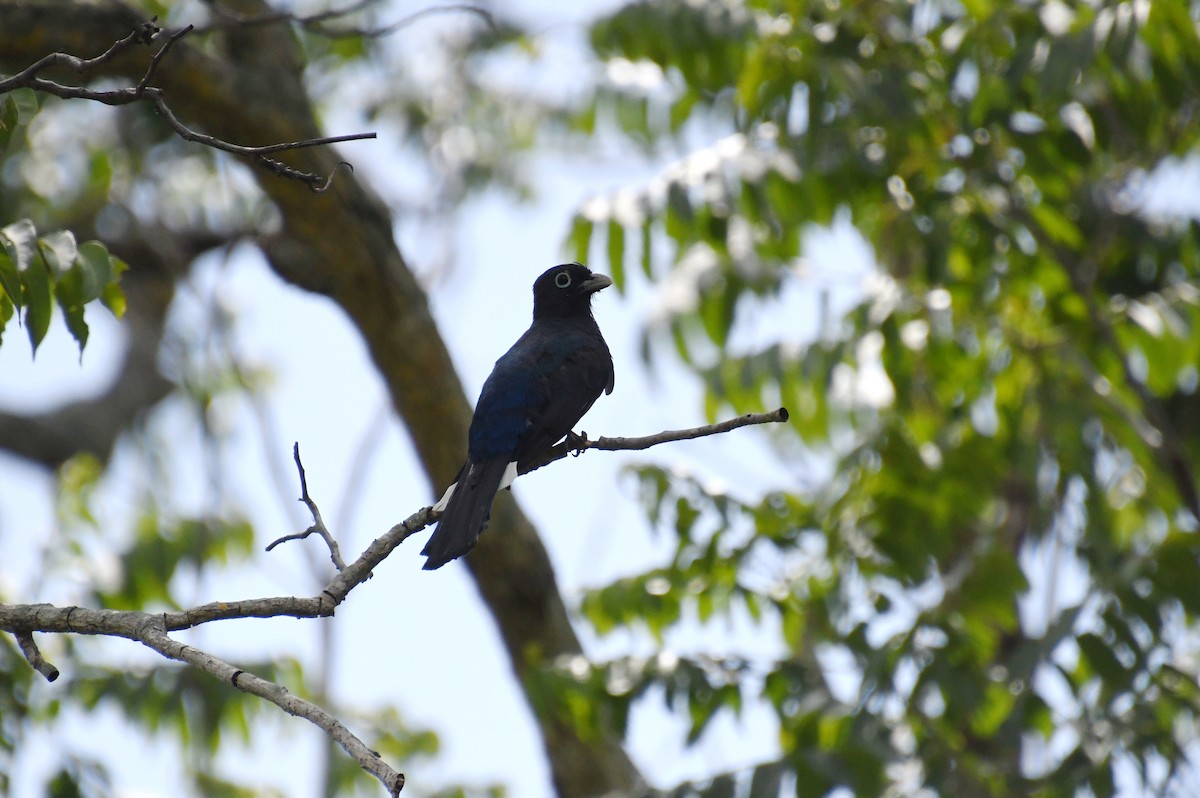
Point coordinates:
[[537, 391]]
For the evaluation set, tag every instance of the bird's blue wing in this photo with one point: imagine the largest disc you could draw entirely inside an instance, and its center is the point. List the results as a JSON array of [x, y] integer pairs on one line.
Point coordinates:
[[576, 368], [538, 390], [512, 393]]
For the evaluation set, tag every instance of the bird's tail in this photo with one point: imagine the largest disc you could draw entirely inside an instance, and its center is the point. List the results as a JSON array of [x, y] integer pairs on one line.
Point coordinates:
[[468, 503]]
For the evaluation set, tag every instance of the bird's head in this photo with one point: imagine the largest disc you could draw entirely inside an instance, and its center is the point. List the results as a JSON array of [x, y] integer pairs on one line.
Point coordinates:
[[566, 290]]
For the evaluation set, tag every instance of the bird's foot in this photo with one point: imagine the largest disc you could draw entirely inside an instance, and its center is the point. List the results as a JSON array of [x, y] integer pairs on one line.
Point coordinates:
[[576, 442]]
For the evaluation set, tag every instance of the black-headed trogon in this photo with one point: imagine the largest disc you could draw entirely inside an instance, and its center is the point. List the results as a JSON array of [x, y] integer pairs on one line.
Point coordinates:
[[536, 393]]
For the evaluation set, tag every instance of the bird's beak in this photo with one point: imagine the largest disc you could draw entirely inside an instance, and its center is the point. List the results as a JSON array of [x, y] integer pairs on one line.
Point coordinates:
[[595, 283]]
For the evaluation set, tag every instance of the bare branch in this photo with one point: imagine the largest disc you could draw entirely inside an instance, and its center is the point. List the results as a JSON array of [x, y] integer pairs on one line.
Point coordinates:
[[578, 444], [318, 524], [360, 570], [157, 58], [144, 34], [143, 92], [155, 637], [314, 181], [151, 630]]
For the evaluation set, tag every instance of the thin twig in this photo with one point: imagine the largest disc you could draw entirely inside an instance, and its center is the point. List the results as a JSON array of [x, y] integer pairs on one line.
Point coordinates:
[[317, 182], [387, 30], [234, 19], [577, 444], [157, 58], [318, 524], [144, 34], [316, 23]]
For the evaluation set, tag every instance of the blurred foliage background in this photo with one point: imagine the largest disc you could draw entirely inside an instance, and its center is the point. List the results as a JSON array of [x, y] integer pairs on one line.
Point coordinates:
[[992, 586]]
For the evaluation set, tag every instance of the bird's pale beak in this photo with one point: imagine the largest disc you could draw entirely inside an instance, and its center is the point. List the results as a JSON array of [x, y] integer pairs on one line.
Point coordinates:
[[595, 283]]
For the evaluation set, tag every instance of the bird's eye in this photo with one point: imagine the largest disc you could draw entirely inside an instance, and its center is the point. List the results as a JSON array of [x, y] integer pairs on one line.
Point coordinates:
[[562, 280]]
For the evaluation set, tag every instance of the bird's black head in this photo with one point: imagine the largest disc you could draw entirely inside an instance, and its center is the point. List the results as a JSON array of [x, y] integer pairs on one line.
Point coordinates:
[[566, 290]]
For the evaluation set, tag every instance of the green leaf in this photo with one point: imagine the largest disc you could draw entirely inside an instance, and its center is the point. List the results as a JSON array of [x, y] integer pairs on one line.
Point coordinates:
[[19, 240], [59, 250], [60, 253], [73, 315], [97, 267], [113, 297], [8, 121], [1104, 663], [616, 253], [1057, 225], [579, 242], [10, 279], [6, 312], [38, 300], [26, 102], [36, 272], [17, 108]]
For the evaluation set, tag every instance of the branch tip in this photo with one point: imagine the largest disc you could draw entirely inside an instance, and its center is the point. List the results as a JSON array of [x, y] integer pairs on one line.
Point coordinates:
[[329, 180], [318, 524], [29, 648], [300, 468]]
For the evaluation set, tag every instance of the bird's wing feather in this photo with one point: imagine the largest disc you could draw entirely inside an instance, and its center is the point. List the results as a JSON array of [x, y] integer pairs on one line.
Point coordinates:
[[571, 367]]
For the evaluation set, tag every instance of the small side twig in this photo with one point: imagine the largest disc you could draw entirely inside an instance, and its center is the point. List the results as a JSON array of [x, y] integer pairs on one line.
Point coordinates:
[[29, 648], [318, 524]]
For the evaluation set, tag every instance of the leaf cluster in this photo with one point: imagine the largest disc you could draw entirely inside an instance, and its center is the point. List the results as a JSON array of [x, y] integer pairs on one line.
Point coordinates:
[[38, 271], [996, 572]]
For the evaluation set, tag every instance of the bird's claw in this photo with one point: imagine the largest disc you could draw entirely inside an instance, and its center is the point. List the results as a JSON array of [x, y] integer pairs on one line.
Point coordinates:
[[576, 442]]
